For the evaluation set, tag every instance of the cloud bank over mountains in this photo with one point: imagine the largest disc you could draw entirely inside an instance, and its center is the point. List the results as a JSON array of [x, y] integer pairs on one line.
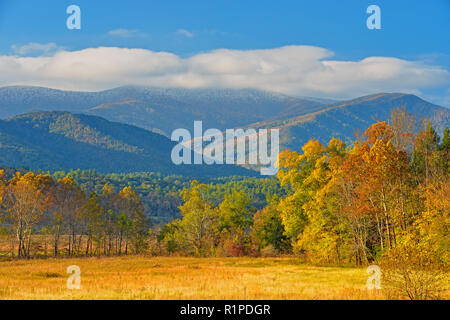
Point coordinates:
[[294, 70]]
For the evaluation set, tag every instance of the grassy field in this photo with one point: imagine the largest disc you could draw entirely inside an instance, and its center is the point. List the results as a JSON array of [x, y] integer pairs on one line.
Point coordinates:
[[182, 278]]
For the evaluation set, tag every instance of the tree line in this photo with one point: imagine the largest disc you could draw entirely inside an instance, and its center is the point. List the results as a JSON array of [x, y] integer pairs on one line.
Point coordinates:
[[38, 211], [160, 194]]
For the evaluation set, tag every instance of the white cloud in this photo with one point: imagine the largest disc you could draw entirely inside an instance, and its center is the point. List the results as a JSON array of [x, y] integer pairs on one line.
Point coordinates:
[[295, 70], [126, 33], [185, 33], [35, 48]]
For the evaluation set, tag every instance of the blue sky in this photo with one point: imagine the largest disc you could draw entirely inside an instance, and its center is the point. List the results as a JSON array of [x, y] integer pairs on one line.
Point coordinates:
[[413, 31]]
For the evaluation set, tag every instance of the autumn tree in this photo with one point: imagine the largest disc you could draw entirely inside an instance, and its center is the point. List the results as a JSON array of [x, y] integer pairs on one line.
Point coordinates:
[[25, 202], [131, 221], [295, 168], [109, 215], [199, 222], [377, 172], [66, 204], [312, 213], [267, 228], [92, 220]]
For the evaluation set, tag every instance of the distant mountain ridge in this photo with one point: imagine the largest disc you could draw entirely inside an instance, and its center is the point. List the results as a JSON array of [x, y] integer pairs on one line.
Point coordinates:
[[160, 109], [342, 119], [59, 140]]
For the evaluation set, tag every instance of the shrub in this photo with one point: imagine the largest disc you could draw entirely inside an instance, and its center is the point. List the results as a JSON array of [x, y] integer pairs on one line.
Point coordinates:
[[411, 272]]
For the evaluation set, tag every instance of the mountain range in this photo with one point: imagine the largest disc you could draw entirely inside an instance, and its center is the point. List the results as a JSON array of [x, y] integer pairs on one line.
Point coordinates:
[[111, 130], [58, 140], [346, 118], [160, 109]]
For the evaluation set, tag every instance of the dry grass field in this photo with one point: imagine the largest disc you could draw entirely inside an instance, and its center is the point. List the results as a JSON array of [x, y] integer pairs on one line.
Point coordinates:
[[138, 277]]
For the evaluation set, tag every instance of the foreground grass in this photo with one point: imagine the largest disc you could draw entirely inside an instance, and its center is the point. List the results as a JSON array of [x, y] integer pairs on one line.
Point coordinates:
[[182, 278]]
